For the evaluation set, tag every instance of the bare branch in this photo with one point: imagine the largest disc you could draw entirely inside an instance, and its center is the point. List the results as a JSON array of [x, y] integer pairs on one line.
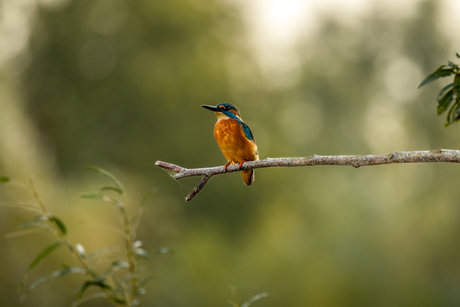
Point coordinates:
[[438, 155], [197, 188]]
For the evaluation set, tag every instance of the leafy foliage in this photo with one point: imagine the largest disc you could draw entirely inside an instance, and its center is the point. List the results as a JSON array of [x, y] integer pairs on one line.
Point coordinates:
[[126, 290], [448, 96], [42, 255], [119, 187]]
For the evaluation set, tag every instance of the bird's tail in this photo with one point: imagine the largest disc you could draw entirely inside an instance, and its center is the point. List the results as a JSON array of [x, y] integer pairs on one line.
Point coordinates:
[[248, 177]]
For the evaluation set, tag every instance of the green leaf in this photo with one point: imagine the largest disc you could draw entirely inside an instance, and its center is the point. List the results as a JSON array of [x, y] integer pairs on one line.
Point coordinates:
[[55, 274], [110, 188], [442, 71], [60, 225], [444, 102], [115, 266], [449, 118], [458, 55], [108, 175], [19, 233], [456, 112], [35, 223], [69, 270], [4, 179], [29, 206], [254, 298], [42, 255], [98, 283], [453, 65], [444, 90], [105, 250], [99, 196], [95, 195]]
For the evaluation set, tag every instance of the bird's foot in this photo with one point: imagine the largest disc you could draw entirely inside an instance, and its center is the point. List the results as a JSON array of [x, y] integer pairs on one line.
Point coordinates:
[[226, 165], [241, 163]]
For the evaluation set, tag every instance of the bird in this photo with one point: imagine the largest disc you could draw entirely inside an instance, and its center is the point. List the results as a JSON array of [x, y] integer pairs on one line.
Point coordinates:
[[234, 138]]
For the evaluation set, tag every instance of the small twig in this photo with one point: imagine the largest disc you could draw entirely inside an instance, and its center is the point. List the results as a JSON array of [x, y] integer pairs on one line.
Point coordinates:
[[438, 155], [198, 188], [169, 166]]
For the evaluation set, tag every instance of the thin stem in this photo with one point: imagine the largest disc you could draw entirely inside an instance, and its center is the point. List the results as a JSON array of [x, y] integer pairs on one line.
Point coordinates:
[[35, 195], [130, 254]]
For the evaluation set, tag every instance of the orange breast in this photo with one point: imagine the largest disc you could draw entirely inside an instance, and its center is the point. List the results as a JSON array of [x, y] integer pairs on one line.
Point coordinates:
[[233, 143]]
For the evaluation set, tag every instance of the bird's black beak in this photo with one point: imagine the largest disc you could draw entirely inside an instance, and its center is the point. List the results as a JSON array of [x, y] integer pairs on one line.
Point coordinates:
[[212, 108]]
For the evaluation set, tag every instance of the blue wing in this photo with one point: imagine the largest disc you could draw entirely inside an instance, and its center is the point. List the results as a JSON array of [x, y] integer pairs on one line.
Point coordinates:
[[247, 131]]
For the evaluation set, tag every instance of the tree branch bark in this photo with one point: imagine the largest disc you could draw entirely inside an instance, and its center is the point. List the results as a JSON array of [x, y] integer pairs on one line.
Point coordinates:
[[438, 155]]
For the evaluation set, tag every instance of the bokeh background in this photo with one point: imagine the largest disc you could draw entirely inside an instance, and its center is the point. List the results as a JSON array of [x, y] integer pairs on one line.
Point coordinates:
[[118, 84]]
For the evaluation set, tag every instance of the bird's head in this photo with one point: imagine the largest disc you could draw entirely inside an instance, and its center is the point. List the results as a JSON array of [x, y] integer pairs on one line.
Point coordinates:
[[224, 110]]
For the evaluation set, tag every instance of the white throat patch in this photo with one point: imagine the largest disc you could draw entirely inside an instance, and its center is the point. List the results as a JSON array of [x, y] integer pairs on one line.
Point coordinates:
[[221, 116]]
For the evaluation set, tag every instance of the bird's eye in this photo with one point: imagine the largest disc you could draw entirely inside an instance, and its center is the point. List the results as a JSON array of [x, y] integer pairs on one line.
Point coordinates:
[[227, 108]]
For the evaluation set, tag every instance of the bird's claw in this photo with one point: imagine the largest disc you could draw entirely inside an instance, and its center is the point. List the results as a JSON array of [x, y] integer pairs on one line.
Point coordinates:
[[239, 167]]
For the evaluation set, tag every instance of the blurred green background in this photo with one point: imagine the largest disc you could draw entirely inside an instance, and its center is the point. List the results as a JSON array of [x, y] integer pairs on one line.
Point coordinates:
[[118, 84]]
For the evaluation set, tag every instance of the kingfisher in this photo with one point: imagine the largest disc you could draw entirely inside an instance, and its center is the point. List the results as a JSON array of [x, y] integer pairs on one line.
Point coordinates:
[[234, 138]]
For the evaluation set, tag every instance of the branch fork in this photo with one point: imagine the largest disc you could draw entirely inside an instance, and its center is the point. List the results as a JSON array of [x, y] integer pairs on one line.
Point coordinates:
[[356, 161]]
